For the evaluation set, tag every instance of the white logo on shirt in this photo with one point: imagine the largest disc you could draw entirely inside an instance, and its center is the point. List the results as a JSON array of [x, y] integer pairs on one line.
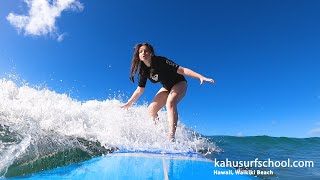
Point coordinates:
[[155, 77], [171, 63]]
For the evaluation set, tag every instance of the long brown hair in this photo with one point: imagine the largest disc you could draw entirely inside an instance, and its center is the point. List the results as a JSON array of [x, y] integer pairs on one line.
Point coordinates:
[[136, 63]]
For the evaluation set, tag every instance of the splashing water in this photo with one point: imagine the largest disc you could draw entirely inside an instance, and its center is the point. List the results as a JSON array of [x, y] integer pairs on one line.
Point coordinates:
[[38, 123]]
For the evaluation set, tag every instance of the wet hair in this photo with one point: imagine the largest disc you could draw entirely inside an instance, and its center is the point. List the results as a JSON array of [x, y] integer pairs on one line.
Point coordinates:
[[136, 64]]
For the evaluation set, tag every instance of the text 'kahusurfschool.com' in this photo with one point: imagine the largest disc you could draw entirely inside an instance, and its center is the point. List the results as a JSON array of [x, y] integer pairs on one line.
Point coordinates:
[[262, 163]]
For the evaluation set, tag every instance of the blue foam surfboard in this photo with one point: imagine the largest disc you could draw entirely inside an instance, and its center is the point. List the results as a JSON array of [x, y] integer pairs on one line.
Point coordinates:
[[141, 165]]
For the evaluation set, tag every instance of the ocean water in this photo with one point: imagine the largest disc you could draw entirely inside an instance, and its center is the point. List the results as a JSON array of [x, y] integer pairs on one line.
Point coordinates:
[[41, 129]]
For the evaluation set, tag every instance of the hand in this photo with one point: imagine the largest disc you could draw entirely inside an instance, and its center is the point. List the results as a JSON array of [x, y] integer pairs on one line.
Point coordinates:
[[126, 106], [203, 79]]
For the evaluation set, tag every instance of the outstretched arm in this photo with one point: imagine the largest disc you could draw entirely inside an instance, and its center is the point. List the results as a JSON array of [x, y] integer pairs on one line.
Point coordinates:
[[136, 94], [189, 72]]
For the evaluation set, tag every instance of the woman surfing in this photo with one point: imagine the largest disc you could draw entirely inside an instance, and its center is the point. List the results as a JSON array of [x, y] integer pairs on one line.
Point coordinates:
[[169, 74]]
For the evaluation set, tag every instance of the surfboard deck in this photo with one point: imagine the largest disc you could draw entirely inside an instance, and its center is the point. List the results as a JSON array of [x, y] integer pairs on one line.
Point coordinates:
[[141, 165]]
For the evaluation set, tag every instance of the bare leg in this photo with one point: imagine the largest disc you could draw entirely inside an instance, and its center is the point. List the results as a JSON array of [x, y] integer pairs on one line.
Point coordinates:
[[177, 92], [158, 102]]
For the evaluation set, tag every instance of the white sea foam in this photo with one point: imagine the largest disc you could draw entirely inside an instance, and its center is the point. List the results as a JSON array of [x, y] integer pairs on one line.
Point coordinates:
[[35, 113]]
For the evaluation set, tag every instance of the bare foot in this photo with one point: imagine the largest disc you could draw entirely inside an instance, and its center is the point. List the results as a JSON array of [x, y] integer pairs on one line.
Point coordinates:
[[156, 120], [171, 137]]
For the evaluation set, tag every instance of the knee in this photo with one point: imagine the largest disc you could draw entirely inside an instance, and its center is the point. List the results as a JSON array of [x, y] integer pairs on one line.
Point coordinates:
[[171, 104]]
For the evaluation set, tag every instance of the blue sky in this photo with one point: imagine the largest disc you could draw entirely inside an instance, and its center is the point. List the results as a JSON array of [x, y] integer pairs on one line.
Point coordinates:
[[264, 56]]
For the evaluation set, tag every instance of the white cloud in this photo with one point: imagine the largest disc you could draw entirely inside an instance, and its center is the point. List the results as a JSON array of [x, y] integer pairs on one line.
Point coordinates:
[[61, 37], [315, 132], [240, 134], [42, 16]]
